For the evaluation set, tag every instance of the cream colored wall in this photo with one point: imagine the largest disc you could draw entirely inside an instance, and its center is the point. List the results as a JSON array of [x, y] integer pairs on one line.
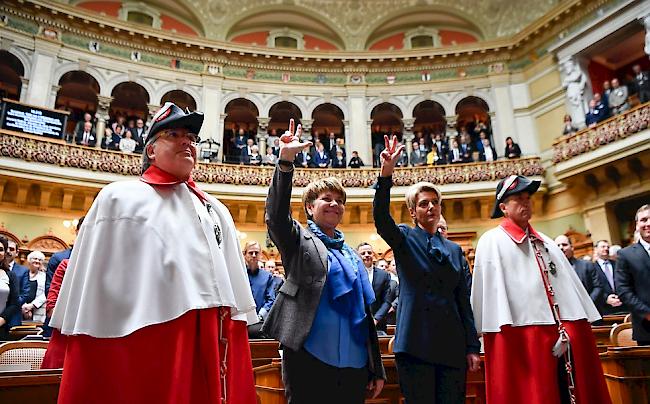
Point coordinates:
[[31, 226], [549, 126]]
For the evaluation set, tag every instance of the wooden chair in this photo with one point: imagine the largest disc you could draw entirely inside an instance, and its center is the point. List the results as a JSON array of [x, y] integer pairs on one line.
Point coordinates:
[[628, 318], [23, 353], [621, 335], [20, 331]]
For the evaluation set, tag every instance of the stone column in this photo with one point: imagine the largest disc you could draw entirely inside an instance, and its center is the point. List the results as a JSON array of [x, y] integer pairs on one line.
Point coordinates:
[[54, 90], [40, 82], [213, 122], [346, 134], [408, 136], [103, 103], [503, 120], [306, 129], [24, 89], [221, 128], [646, 24], [359, 133], [262, 134], [601, 223]]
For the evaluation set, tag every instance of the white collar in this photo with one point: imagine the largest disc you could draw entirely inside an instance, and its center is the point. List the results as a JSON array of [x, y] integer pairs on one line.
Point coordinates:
[[645, 244]]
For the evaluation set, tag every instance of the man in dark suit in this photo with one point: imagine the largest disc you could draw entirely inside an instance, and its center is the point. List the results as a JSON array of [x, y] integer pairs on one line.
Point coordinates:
[[641, 83], [303, 159], [138, 134], [86, 135], [22, 276], [585, 269], [608, 301], [380, 280], [633, 277], [246, 152], [435, 339]]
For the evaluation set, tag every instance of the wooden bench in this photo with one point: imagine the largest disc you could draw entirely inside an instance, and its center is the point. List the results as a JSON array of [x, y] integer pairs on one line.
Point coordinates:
[[30, 386], [627, 373]]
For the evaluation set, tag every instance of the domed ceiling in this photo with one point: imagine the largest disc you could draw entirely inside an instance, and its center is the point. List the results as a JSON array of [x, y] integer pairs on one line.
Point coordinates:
[[343, 24]]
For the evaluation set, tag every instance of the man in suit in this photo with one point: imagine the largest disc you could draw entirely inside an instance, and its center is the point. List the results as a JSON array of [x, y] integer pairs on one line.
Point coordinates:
[[585, 269], [138, 133], [641, 83], [380, 280], [593, 115], [86, 135], [246, 152], [488, 153], [303, 159], [80, 125], [466, 149], [262, 284], [337, 147], [22, 276], [418, 157], [633, 277], [435, 339], [618, 98], [322, 313], [608, 301]]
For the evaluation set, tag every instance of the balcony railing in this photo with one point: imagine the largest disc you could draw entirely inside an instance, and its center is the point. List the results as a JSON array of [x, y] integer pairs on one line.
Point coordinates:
[[613, 129], [41, 150]]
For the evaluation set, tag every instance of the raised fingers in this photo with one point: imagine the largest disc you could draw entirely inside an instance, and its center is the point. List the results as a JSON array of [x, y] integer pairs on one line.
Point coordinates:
[[292, 125]]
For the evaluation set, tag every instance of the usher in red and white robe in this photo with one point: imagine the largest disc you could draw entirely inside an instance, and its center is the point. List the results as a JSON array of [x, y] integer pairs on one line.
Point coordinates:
[[156, 300], [512, 311]]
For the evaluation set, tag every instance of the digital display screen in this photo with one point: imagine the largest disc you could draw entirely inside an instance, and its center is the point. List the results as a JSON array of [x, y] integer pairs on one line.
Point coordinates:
[[36, 121]]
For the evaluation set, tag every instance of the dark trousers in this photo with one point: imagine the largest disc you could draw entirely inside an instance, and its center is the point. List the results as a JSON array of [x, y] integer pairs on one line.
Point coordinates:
[[307, 380], [427, 383], [643, 343]]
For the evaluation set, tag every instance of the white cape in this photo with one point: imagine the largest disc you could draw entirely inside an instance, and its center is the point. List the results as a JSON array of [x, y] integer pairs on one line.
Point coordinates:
[[146, 255], [507, 287]]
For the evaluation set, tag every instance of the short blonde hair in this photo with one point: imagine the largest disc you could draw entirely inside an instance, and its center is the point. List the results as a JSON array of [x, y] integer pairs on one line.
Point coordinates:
[[414, 190], [314, 189], [250, 244]]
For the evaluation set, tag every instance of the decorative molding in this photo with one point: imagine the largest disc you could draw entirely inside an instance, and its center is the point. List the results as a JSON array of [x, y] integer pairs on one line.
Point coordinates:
[[33, 149]]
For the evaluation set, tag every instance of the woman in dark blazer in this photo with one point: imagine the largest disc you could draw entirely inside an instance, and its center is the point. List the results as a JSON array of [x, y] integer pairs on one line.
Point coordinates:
[[321, 315], [9, 292], [512, 149]]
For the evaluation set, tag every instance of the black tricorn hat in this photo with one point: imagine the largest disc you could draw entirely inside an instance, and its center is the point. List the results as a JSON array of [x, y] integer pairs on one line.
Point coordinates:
[[511, 185], [171, 116]]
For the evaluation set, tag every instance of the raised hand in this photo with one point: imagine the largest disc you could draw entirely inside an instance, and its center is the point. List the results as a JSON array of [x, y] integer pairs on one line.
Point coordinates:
[[390, 155], [290, 143]]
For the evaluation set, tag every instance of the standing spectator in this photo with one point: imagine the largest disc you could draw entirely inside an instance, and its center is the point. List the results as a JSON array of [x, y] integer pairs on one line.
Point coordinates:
[[240, 141], [80, 125], [602, 107], [338, 147], [355, 161], [435, 340], [607, 90], [278, 279], [270, 159], [86, 135], [594, 115], [338, 161], [568, 128], [455, 156], [320, 159], [512, 149], [608, 302], [418, 156], [127, 144], [641, 83], [322, 315], [139, 134], [585, 269], [613, 252], [422, 145], [380, 281], [403, 159], [261, 282], [441, 147], [34, 306], [116, 137], [22, 278], [633, 277], [618, 98], [9, 292], [276, 146], [303, 159], [330, 142], [273, 139], [489, 153], [119, 121], [479, 143], [466, 149], [246, 152]]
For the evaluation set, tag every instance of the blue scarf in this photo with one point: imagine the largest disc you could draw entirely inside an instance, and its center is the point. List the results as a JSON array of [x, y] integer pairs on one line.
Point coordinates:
[[438, 252], [347, 284]]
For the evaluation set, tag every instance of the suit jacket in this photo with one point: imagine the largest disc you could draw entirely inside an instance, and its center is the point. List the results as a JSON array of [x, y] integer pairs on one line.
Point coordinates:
[[22, 282], [588, 276], [418, 158], [304, 257], [514, 150], [435, 322], [481, 155], [383, 297], [300, 158], [594, 116], [92, 139], [466, 151], [12, 306], [618, 97], [317, 159], [332, 152], [606, 290], [245, 155], [632, 277]]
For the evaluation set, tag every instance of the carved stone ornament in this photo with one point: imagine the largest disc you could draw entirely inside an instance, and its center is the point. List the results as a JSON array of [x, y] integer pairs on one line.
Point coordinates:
[[356, 79], [51, 33], [93, 46], [136, 56]]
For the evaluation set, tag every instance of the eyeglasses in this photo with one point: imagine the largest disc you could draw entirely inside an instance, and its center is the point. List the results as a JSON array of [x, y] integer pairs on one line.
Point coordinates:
[[175, 135]]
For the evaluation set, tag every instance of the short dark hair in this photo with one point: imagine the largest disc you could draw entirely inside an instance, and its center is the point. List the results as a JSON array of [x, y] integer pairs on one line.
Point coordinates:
[[601, 241], [5, 244], [80, 222]]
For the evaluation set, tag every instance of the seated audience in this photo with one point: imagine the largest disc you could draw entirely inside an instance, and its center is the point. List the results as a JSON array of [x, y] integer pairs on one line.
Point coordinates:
[[489, 153], [119, 121], [86, 135], [568, 128], [9, 292], [127, 144], [339, 160], [34, 306], [139, 135], [80, 125], [618, 98], [320, 159], [512, 149], [337, 147], [355, 161], [433, 157], [255, 158], [270, 159]]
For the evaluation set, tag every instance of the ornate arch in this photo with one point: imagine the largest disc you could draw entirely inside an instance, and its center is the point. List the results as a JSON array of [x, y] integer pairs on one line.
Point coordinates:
[[47, 244], [378, 100], [443, 101], [250, 97], [157, 98], [278, 98], [320, 101], [482, 94], [24, 59], [74, 66], [124, 78]]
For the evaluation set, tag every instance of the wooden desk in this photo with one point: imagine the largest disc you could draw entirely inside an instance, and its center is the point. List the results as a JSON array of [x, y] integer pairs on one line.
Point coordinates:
[[30, 386], [263, 351], [612, 319], [627, 373]]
